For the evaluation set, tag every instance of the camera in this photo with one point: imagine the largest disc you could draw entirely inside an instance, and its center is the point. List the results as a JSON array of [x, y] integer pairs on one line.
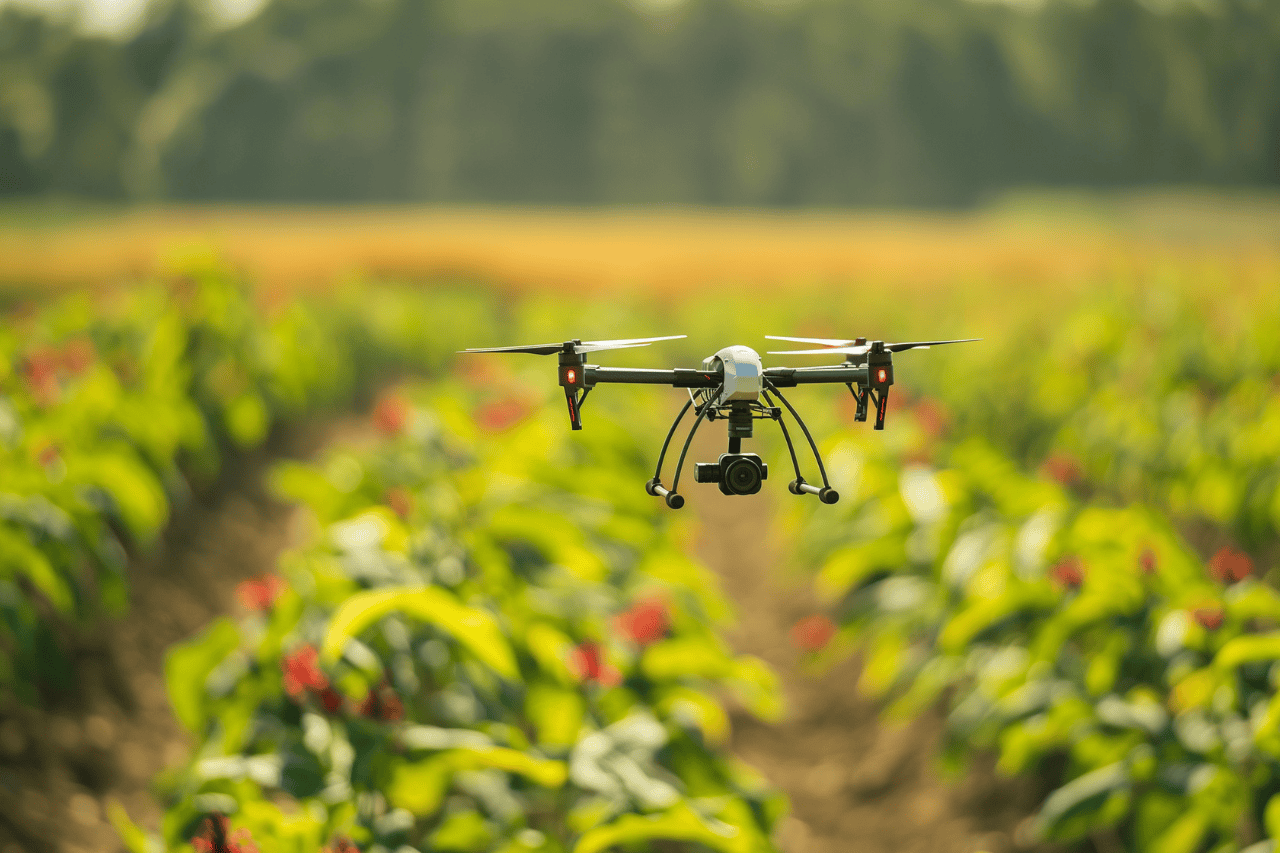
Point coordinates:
[[735, 473]]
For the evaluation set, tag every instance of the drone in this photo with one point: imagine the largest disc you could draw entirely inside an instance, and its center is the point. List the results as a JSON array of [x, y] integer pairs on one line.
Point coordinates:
[[730, 386]]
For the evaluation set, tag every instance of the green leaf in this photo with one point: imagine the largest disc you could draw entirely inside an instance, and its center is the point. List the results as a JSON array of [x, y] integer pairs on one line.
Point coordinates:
[[1081, 792], [849, 566], [692, 706], [19, 556], [187, 667], [247, 420], [679, 823], [463, 831], [475, 629], [683, 657], [1242, 650], [134, 838], [1184, 835], [985, 613], [550, 648], [135, 490], [556, 712], [419, 786]]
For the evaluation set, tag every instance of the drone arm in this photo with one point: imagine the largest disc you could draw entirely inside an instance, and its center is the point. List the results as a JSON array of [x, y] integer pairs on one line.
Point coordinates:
[[790, 377], [680, 377]]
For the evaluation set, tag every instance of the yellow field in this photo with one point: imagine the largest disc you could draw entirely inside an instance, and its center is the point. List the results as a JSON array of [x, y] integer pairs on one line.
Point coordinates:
[[654, 251]]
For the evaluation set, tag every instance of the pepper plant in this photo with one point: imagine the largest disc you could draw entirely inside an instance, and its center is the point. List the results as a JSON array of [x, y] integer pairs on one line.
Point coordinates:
[[491, 643]]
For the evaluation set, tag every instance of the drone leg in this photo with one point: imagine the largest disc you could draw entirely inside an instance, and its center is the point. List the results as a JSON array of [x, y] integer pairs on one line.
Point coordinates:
[[793, 486], [882, 406], [653, 486], [575, 405], [674, 500], [861, 397], [826, 494]]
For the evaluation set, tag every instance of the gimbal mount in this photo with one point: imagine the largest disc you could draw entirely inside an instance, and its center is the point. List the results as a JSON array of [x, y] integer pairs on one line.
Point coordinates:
[[741, 415]]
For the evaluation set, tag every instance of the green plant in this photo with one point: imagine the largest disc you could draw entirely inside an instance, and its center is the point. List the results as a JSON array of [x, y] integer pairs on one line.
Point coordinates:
[[488, 645]]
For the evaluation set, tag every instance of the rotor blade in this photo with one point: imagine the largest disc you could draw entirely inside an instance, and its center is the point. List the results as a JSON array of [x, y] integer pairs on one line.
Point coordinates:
[[826, 342], [826, 351], [629, 341], [535, 349], [584, 348], [925, 344]]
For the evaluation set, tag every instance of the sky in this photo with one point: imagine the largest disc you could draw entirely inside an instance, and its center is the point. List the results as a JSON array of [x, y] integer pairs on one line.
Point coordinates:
[[118, 17]]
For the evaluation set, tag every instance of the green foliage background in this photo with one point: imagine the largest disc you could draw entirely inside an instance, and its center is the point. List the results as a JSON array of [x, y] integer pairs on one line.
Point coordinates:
[[725, 102]]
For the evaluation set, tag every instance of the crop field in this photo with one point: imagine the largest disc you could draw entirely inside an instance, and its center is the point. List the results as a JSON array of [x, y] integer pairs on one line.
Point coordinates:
[[281, 571]]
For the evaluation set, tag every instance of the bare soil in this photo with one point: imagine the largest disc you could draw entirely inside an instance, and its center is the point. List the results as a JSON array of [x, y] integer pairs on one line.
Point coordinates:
[[856, 785], [62, 764]]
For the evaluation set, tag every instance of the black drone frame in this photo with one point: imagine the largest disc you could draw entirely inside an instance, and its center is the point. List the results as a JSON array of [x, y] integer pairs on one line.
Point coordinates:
[[867, 372], [578, 379]]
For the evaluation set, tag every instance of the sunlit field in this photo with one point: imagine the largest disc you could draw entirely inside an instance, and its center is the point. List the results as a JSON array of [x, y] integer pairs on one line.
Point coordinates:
[[1051, 242], [279, 563]]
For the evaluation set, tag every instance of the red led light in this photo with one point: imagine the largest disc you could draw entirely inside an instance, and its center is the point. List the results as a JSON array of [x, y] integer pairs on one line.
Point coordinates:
[[881, 375], [571, 375]]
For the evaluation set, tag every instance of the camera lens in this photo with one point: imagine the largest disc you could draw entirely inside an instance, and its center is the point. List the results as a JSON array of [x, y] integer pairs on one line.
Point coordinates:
[[742, 477]]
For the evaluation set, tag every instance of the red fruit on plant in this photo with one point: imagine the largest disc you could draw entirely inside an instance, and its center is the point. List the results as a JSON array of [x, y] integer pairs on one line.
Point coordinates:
[[646, 622], [586, 659], [1230, 565], [932, 417], [77, 355], [1147, 561], [259, 593], [40, 370], [49, 454], [400, 500], [588, 663], [391, 414], [381, 703], [214, 837], [331, 700], [1063, 468], [812, 633], [301, 672], [1068, 572], [1210, 617], [502, 414], [342, 845]]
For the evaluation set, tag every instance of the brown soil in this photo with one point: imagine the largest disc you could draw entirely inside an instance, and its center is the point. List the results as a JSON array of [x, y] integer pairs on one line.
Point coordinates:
[[61, 765], [856, 785]]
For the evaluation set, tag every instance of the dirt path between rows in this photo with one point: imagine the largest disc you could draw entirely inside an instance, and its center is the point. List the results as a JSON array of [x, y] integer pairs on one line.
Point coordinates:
[[856, 786], [109, 737]]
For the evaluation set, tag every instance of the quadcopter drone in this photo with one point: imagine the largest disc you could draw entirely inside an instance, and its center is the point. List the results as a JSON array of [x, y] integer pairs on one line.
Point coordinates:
[[729, 386]]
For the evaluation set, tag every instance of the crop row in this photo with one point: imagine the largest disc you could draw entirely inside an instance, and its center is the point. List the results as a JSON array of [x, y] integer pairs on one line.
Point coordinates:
[[117, 408], [487, 645], [1065, 621]]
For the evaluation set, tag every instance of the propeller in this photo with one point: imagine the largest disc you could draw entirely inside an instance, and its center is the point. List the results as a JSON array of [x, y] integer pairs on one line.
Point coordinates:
[[863, 348], [826, 342], [579, 347]]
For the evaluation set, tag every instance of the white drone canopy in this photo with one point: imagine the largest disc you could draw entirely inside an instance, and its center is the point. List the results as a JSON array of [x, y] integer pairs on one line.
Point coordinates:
[[743, 374]]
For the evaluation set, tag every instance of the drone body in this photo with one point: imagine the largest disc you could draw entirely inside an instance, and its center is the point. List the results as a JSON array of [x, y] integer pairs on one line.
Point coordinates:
[[735, 386]]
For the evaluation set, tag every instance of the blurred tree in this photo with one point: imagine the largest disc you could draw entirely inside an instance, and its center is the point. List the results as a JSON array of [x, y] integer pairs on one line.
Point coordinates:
[[734, 102]]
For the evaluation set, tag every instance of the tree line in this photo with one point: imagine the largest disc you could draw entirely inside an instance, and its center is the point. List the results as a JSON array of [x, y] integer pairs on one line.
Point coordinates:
[[720, 102]]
